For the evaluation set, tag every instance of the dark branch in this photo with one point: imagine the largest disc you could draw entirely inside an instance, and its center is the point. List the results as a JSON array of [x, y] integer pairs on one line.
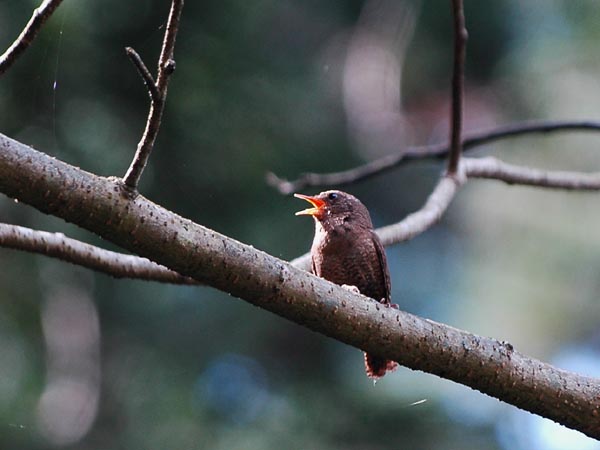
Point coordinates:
[[158, 95], [144, 73], [458, 82], [18, 47], [57, 245], [436, 151]]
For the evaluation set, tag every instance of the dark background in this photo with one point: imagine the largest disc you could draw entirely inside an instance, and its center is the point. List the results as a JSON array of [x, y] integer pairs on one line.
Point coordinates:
[[89, 362]]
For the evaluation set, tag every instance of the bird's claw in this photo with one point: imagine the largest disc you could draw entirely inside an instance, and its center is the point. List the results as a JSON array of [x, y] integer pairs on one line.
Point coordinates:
[[351, 288], [389, 305]]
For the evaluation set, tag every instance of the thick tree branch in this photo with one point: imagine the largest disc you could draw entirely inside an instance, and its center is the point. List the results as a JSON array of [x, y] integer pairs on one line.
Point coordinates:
[[18, 47], [436, 151], [158, 94], [117, 265], [458, 85], [105, 207]]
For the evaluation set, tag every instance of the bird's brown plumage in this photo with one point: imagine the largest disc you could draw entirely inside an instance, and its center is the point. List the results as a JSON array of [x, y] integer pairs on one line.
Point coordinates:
[[347, 251]]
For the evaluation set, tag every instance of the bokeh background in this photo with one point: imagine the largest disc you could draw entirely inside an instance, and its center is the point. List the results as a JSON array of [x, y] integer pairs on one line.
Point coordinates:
[[89, 362]]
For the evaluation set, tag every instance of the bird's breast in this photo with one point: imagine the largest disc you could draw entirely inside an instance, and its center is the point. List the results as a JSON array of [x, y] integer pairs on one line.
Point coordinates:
[[349, 258]]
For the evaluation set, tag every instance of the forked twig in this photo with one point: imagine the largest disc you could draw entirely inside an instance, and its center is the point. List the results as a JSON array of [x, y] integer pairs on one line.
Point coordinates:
[[158, 93]]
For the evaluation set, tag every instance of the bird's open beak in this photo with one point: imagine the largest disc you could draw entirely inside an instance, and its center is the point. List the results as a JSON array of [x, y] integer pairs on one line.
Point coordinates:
[[317, 206]]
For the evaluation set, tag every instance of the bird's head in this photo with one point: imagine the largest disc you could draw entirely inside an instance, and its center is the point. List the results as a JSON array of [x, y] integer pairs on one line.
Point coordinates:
[[335, 206]]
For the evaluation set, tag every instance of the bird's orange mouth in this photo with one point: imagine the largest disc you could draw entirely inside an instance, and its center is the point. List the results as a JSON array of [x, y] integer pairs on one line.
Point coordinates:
[[317, 203]]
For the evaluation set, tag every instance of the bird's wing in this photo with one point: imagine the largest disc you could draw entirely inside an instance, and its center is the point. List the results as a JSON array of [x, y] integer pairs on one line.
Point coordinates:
[[383, 266]]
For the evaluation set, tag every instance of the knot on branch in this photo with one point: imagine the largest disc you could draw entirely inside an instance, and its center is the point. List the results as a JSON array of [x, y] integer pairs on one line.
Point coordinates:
[[125, 190], [169, 66], [459, 176]]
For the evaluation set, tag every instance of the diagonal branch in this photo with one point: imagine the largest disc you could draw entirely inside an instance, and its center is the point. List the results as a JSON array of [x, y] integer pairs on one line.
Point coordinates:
[[458, 85], [136, 59], [158, 94], [436, 151], [103, 206], [57, 245], [432, 211], [29, 33]]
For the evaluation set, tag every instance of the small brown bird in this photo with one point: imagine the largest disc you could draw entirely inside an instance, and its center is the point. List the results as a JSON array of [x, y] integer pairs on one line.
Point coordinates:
[[346, 251]]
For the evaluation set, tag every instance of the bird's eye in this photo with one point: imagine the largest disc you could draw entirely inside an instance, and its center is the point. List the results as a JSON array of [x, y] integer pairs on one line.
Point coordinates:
[[332, 196]]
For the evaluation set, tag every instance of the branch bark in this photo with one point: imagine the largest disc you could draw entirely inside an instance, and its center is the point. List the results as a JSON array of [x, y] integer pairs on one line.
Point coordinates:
[[57, 245], [105, 207]]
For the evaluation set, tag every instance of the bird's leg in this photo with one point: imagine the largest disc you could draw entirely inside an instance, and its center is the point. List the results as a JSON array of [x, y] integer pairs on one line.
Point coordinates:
[[384, 302]]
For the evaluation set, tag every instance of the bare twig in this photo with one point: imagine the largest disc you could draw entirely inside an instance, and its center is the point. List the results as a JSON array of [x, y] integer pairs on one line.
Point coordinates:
[[144, 73], [458, 76], [436, 151], [493, 168], [158, 94], [57, 245], [18, 47]]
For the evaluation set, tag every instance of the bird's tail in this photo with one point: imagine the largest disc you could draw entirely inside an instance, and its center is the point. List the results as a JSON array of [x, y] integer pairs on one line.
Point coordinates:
[[378, 367]]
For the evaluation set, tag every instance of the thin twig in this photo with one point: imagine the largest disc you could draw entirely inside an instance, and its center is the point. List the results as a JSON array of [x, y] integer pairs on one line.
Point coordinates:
[[144, 73], [493, 169], [158, 94], [39, 17], [435, 151], [458, 76], [57, 245]]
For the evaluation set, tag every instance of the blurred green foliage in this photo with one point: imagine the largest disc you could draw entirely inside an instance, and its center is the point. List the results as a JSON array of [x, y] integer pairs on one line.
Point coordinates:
[[258, 88]]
